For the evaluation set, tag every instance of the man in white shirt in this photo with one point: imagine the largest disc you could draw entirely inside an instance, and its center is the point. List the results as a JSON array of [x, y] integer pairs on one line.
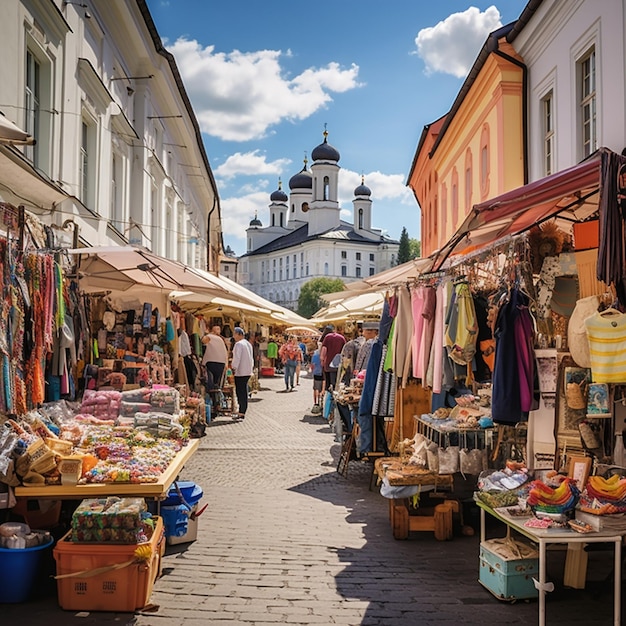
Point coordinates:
[[214, 359], [242, 366]]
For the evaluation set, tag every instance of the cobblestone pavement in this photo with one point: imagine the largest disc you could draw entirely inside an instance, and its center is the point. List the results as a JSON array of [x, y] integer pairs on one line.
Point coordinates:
[[287, 540]]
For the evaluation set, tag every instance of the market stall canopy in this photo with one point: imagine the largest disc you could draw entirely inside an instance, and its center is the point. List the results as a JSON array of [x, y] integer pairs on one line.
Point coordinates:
[[569, 196], [11, 133], [364, 305], [24, 183], [280, 315], [400, 273], [303, 331], [206, 304], [120, 268]]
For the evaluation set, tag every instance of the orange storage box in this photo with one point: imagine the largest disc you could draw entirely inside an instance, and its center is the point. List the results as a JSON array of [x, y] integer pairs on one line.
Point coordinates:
[[126, 588], [587, 235]]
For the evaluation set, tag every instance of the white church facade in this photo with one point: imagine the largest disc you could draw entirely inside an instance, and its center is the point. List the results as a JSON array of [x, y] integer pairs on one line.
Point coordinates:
[[306, 238]]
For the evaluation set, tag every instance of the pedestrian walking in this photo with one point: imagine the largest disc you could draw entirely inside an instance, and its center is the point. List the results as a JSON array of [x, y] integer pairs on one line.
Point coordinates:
[[332, 344], [242, 366], [318, 379], [214, 360], [291, 356]]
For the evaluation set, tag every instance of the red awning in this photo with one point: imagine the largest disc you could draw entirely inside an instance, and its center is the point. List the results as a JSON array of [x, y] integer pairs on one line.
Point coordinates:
[[570, 196]]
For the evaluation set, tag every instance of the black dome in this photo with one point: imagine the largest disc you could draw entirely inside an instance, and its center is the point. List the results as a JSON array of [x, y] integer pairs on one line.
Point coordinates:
[[279, 195], [256, 221], [302, 180], [325, 152], [362, 189]]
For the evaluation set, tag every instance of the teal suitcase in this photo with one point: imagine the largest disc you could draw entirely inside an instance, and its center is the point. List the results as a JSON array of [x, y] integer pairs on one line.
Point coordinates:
[[507, 568]]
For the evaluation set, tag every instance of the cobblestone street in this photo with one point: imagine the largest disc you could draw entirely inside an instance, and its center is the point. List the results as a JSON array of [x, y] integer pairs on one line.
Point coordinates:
[[287, 540]]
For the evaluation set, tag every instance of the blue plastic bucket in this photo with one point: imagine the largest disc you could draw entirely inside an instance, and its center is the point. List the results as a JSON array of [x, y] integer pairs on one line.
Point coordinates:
[[189, 490], [18, 571]]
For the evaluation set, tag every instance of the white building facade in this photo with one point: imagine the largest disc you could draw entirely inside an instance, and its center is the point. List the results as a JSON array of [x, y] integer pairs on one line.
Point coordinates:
[[119, 154], [306, 238], [575, 56]]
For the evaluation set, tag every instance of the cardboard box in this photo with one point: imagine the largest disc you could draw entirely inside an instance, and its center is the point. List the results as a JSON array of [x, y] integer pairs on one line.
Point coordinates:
[[125, 589], [507, 569]]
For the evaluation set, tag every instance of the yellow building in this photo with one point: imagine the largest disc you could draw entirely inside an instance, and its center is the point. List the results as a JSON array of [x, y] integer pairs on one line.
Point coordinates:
[[477, 150]]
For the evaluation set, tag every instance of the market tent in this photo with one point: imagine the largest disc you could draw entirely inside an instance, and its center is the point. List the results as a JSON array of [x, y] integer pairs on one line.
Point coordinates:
[[569, 196], [280, 315], [206, 304], [13, 134], [120, 268], [363, 305], [400, 273]]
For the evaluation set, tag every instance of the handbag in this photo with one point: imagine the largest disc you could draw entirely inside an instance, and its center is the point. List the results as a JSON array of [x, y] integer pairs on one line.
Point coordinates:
[[334, 364]]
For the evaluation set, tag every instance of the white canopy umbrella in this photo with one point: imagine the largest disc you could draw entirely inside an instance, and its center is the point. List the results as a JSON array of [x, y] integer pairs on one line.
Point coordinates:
[[12, 134], [120, 268]]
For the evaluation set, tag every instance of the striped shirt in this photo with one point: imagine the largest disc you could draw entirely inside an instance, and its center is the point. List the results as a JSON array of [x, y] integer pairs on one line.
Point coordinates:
[[606, 332]]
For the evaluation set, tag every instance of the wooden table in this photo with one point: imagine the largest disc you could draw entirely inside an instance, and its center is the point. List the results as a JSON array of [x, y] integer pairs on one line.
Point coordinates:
[[437, 519], [543, 537], [157, 490]]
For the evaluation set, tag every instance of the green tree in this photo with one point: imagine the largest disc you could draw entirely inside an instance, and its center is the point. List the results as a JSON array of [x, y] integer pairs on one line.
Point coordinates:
[[309, 301], [404, 251], [416, 248]]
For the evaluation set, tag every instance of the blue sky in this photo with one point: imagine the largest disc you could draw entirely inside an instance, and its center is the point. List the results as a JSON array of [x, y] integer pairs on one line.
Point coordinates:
[[264, 78]]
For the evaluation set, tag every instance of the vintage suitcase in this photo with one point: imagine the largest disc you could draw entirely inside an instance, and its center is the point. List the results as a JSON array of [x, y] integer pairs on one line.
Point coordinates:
[[507, 568]]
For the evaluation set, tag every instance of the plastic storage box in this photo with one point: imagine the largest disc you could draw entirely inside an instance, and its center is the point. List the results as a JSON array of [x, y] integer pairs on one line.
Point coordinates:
[[125, 589], [507, 568]]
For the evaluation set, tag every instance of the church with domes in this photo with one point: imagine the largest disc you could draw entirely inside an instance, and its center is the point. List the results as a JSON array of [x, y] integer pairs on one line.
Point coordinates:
[[306, 237]]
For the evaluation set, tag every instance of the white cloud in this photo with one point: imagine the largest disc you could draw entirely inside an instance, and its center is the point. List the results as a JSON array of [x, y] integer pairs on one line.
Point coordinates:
[[384, 187], [452, 45], [238, 96], [237, 211], [250, 164]]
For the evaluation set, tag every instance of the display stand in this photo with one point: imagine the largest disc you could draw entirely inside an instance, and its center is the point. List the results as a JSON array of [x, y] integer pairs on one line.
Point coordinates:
[[543, 537], [156, 490]]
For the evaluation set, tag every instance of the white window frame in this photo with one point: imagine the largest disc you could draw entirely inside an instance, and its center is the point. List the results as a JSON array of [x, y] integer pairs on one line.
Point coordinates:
[[587, 101], [548, 132]]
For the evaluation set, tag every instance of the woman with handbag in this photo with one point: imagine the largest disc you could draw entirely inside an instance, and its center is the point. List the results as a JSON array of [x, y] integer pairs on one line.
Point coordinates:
[[290, 355]]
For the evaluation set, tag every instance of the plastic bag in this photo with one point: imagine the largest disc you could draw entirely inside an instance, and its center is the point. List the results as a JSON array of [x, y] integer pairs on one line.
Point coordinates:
[[432, 454], [397, 491], [448, 460], [472, 461]]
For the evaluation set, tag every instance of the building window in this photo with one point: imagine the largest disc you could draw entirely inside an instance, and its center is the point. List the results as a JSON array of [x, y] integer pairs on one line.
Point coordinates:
[[32, 103], [293, 208], [358, 272], [547, 115], [344, 254], [326, 188], [372, 257], [455, 198], [273, 220], [468, 182], [344, 270], [326, 269], [358, 256], [372, 270], [274, 275], [587, 73], [281, 220], [484, 161], [263, 271], [287, 273], [360, 218], [87, 163], [307, 269]]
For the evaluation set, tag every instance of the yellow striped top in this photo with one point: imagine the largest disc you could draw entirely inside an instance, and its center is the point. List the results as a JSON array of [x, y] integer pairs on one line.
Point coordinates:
[[606, 332]]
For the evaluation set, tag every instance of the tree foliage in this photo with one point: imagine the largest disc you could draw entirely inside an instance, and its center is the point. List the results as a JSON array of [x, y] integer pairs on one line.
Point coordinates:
[[416, 248], [404, 251], [309, 301]]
